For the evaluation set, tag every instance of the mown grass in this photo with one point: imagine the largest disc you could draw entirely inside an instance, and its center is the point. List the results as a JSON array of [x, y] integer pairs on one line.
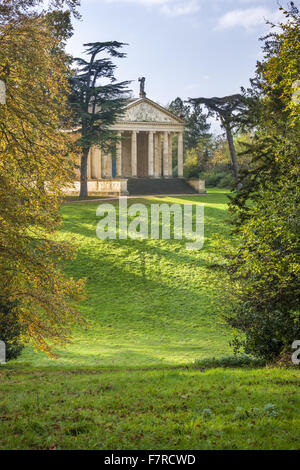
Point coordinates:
[[149, 409], [130, 381], [149, 302]]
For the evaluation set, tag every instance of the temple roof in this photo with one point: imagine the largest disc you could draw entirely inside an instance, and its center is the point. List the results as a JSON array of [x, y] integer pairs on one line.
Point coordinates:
[[146, 110]]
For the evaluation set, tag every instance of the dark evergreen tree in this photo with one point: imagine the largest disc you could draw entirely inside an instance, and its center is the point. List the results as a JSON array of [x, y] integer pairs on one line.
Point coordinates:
[[96, 105], [225, 108], [197, 127], [179, 108]]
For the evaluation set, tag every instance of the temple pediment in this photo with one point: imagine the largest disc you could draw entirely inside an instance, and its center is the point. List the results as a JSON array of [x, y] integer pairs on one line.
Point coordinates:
[[145, 110]]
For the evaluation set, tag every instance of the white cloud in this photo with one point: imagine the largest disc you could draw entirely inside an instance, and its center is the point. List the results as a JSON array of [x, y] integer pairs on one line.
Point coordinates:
[[167, 7], [247, 18], [146, 2], [180, 8]]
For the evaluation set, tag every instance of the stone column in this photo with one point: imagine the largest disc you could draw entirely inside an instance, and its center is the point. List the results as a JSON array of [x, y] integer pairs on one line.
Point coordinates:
[[150, 154], [170, 156], [133, 154], [96, 162], [98, 157], [92, 162], [89, 166], [157, 163], [166, 155], [108, 165], [180, 155], [119, 156], [103, 164]]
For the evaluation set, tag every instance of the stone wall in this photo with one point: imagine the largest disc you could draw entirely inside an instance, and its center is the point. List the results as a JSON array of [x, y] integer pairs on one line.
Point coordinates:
[[198, 185], [101, 187], [118, 187]]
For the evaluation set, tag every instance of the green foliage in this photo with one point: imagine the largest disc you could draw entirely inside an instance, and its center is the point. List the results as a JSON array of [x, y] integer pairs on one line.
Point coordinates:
[[268, 309], [266, 210], [226, 109], [196, 159], [197, 127], [96, 104], [220, 158], [218, 179], [227, 181], [210, 160], [60, 22], [212, 179], [10, 329]]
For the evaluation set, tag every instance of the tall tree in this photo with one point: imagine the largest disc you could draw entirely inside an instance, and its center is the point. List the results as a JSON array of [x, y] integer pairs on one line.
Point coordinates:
[[197, 127], [36, 164], [97, 105], [225, 108], [266, 264]]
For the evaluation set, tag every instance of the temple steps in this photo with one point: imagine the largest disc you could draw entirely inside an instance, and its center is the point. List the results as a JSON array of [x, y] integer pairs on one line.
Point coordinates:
[[151, 186]]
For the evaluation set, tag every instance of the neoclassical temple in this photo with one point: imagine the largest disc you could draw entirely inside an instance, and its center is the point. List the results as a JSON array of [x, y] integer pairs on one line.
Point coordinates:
[[143, 160]]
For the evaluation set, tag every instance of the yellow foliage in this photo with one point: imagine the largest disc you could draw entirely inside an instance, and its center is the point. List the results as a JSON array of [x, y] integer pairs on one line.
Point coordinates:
[[36, 163]]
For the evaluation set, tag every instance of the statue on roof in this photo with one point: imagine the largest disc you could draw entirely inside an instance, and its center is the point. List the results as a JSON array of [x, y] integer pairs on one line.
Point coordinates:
[[142, 87]]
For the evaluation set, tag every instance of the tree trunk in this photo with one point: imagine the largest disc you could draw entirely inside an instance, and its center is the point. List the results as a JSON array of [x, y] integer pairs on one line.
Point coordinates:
[[232, 151], [83, 173]]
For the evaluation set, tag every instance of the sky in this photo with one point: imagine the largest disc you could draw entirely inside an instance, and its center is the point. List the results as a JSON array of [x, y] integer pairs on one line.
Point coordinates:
[[186, 48]]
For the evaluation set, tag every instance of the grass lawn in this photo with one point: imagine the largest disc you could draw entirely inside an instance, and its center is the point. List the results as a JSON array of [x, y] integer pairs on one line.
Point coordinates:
[[153, 309]]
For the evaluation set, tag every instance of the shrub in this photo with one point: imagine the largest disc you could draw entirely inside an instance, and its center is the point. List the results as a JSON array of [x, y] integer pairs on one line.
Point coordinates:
[[266, 209], [195, 161], [226, 182], [220, 179], [266, 267], [10, 329]]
